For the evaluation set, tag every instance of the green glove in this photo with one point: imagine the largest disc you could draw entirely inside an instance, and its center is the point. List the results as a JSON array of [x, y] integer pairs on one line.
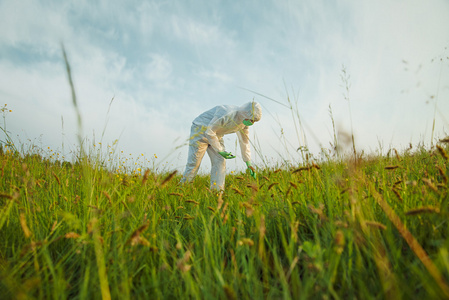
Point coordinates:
[[251, 169], [227, 155]]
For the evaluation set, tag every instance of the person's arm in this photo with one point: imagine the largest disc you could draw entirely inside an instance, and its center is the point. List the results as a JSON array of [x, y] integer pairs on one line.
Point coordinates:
[[243, 136], [211, 135]]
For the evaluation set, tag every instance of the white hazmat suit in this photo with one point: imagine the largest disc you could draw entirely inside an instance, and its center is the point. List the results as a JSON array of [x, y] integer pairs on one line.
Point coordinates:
[[207, 133]]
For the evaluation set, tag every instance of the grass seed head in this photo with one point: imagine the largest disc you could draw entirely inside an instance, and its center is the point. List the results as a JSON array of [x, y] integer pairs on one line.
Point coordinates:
[[192, 201], [396, 192], [168, 178], [421, 210], [301, 169], [23, 223], [271, 185], [72, 235], [219, 201], [237, 191], [176, 194], [397, 154], [376, 225], [145, 176], [225, 219], [2, 195], [135, 238], [107, 196], [391, 167], [318, 211], [429, 183], [442, 152], [253, 187], [230, 294], [339, 241], [53, 227], [182, 262], [245, 241], [57, 178], [445, 179]]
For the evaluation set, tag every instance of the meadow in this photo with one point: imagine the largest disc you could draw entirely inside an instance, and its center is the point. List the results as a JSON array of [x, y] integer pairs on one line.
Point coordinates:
[[338, 228]]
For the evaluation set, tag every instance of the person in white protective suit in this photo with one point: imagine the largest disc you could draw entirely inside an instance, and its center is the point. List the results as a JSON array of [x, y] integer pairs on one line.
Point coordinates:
[[207, 133]]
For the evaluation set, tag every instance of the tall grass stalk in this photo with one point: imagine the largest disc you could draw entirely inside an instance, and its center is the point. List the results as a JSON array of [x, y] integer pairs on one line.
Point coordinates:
[[294, 109], [345, 78], [435, 106], [74, 100], [335, 145], [89, 179]]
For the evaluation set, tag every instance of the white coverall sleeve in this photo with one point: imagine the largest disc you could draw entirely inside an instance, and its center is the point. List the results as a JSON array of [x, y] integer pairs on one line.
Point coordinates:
[[211, 134], [243, 136]]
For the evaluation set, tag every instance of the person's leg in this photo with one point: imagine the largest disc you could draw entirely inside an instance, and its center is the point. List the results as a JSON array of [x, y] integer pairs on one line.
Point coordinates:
[[197, 148], [218, 169]]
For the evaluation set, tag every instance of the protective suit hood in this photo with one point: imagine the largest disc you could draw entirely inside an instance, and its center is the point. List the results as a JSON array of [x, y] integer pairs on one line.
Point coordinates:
[[251, 111]]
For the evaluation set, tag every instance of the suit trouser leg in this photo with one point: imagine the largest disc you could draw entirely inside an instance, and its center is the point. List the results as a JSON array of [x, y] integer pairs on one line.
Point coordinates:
[[197, 149], [218, 169]]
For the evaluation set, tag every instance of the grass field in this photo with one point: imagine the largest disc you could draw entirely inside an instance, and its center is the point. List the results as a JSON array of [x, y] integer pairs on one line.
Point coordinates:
[[373, 228]]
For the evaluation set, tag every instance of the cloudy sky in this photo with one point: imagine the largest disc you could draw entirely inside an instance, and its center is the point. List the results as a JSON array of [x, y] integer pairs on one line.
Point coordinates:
[[165, 62]]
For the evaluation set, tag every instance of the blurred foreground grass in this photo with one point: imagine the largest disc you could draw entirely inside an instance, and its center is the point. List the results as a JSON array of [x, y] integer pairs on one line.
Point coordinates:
[[372, 229]]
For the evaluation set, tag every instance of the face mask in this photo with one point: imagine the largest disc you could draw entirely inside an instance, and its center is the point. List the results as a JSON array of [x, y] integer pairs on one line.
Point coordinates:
[[247, 122]]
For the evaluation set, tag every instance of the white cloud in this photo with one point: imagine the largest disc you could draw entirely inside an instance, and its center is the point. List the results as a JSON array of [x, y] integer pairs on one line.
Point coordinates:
[[159, 68], [214, 75], [200, 34]]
